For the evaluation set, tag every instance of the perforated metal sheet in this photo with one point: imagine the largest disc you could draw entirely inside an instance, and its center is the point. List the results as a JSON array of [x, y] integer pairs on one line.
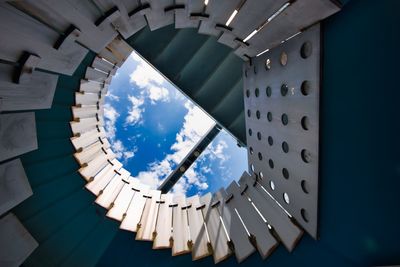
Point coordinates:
[[282, 122]]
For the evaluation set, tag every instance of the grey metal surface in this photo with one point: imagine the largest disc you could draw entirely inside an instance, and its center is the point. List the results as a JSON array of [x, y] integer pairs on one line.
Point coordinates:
[[282, 123]]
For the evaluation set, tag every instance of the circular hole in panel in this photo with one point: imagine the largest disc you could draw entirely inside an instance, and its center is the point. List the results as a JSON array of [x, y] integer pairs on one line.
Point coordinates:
[[268, 64], [305, 87], [250, 132], [268, 91], [248, 113], [269, 116], [259, 156], [251, 151], [285, 119], [306, 155], [285, 147], [270, 140], [271, 163], [286, 198], [304, 186], [272, 185], [305, 123], [258, 135], [306, 50], [257, 92], [285, 173], [248, 93], [182, 169], [258, 114], [284, 89], [283, 59], [304, 215]]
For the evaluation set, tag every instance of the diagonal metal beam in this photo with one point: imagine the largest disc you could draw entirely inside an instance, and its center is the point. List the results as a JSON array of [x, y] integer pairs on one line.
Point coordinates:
[[191, 157]]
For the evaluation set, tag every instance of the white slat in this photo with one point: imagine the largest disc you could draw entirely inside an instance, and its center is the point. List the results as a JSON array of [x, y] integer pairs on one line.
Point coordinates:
[[92, 74], [116, 52], [198, 232], [180, 227], [136, 13], [110, 192], [164, 223], [27, 34], [104, 65], [17, 134], [86, 111], [16, 242], [103, 177], [89, 153], [36, 92], [85, 125], [88, 138], [135, 210], [218, 237], [14, 185], [88, 98], [157, 17], [265, 241], [182, 16], [62, 14], [149, 217], [98, 163], [219, 12], [287, 231], [93, 87], [251, 15], [235, 229], [123, 200]]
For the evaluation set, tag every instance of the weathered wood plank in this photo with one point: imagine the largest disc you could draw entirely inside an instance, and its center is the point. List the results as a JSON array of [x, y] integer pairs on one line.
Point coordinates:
[[149, 217], [164, 223], [103, 177]]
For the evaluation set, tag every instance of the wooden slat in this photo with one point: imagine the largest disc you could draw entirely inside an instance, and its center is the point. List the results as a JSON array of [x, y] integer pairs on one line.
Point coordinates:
[[97, 76], [218, 237], [101, 64], [17, 134], [88, 138], [198, 234], [251, 15], [103, 177], [15, 241], [93, 87], [219, 12], [164, 223], [236, 231], [257, 228], [123, 200], [157, 17], [62, 14], [86, 111], [36, 92], [180, 227], [149, 217], [89, 152], [110, 192], [135, 210], [182, 16], [287, 231], [88, 98], [86, 124], [14, 185], [98, 163], [27, 34]]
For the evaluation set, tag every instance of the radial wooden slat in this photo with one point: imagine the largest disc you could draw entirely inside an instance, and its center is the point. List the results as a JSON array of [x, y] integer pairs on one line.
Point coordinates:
[[149, 216], [135, 210], [180, 226], [164, 223]]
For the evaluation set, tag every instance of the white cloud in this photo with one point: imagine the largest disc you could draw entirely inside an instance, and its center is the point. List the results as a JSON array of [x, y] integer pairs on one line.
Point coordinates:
[[112, 97], [135, 111], [158, 94], [196, 124]]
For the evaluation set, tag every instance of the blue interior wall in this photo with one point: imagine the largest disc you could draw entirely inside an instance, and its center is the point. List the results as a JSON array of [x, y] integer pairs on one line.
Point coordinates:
[[359, 152]]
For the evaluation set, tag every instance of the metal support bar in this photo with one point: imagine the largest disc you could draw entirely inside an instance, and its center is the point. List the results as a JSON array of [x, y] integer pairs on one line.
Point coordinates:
[[191, 157]]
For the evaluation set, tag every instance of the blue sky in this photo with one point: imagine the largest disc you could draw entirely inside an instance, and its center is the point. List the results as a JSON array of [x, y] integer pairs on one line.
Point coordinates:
[[152, 126]]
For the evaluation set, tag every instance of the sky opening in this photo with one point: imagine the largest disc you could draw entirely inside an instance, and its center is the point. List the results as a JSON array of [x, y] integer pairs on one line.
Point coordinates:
[[152, 126]]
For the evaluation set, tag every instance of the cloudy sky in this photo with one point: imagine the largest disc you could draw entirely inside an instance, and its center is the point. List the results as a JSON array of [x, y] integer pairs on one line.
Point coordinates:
[[152, 127]]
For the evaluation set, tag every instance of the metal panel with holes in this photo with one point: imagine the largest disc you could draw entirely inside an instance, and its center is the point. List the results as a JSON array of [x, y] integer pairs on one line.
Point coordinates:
[[149, 216], [281, 93], [260, 235], [236, 231], [289, 233], [164, 223]]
